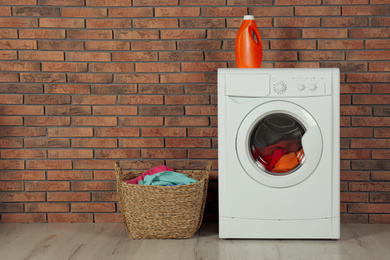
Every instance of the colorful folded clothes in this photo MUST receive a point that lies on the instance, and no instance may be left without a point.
(154, 170)
(167, 178)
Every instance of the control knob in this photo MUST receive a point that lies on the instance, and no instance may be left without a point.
(312, 87)
(280, 87)
(301, 87)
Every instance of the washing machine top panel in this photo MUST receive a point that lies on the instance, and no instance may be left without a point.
(280, 83)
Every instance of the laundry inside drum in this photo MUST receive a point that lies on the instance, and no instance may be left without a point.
(276, 144)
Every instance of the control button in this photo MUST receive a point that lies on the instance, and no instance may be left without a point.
(313, 87)
(301, 87)
(280, 87)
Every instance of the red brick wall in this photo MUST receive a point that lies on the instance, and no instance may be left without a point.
(84, 82)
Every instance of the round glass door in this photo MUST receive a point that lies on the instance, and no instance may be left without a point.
(276, 144)
(279, 144)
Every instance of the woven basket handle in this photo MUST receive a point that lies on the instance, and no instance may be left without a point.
(118, 170)
(208, 167)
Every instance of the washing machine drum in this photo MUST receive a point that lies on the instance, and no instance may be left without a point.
(279, 148)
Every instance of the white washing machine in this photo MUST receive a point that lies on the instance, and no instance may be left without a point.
(279, 156)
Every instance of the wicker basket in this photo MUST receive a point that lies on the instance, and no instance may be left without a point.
(151, 212)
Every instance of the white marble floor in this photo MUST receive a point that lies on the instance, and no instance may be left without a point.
(110, 241)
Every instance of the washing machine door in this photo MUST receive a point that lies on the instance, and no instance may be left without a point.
(279, 144)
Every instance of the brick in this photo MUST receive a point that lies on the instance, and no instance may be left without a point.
(61, 23)
(161, 89)
(369, 33)
(104, 175)
(202, 2)
(187, 142)
(37, 11)
(177, 11)
(93, 164)
(203, 153)
(115, 89)
(54, 45)
(202, 66)
(203, 132)
(161, 110)
(108, 2)
(11, 186)
(377, 121)
(22, 131)
(202, 23)
(183, 34)
(220, 56)
(70, 217)
(140, 164)
(62, 2)
(297, 22)
(108, 218)
(380, 154)
(21, 88)
(134, 56)
(368, 208)
(370, 143)
(368, 77)
(157, 67)
(47, 99)
(41, 34)
(47, 142)
(104, 196)
(11, 99)
(69, 175)
(93, 207)
(371, 99)
(136, 78)
(354, 197)
(88, 56)
(42, 77)
(24, 218)
(271, 11)
(94, 143)
(379, 219)
(201, 110)
(141, 121)
(186, 121)
(380, 21)
(64, 67)
(355, 88)
(70, 154)
(188, 100)
(11, 120)
(42, 55)
(94, 186)
(323, 55)
(90, 34)
(293, 44)
(355, 176)
(11, 143)
(348, 67)
(297, 65)
(380, 176)
(6, 11)
(371, 165)
(112, 67)
(297, 2)
(341, 44)
(345, 22)
(136, 34)
(381, 89)
(141, 100)
(181, 56)
(381, 132)
(70, 132)
(223, 11)
(68, 110)
(8, 55)
(119, 154)
(183, 78)
(117, 132)
(344, 2)
(325, 33)
(84, 12)
(9, 33)
(131, 12)
(52, 164)
(19, 22)
(153, 45)
(21, 110)
(107, 45)
(155, 2)
(381, 111)
(17, 44)
(355, 110)
(355, 132)
(317, 11)
(115, 110)
(47, 186)
(22, 196)
(164, 153)
(11, 207)
(368, 55)
(105, 23)
(163, 132)
(47, 121)
(355, 154)
(95, 121)
(68, 196)
(90, 78)
(379, 66)
(364, 10)
(47, 207)
(141, 143)
(156, 23)
(23, 154)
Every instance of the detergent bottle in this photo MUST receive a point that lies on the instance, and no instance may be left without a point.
(249, 52)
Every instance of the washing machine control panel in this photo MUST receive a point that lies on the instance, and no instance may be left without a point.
(300, 85)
